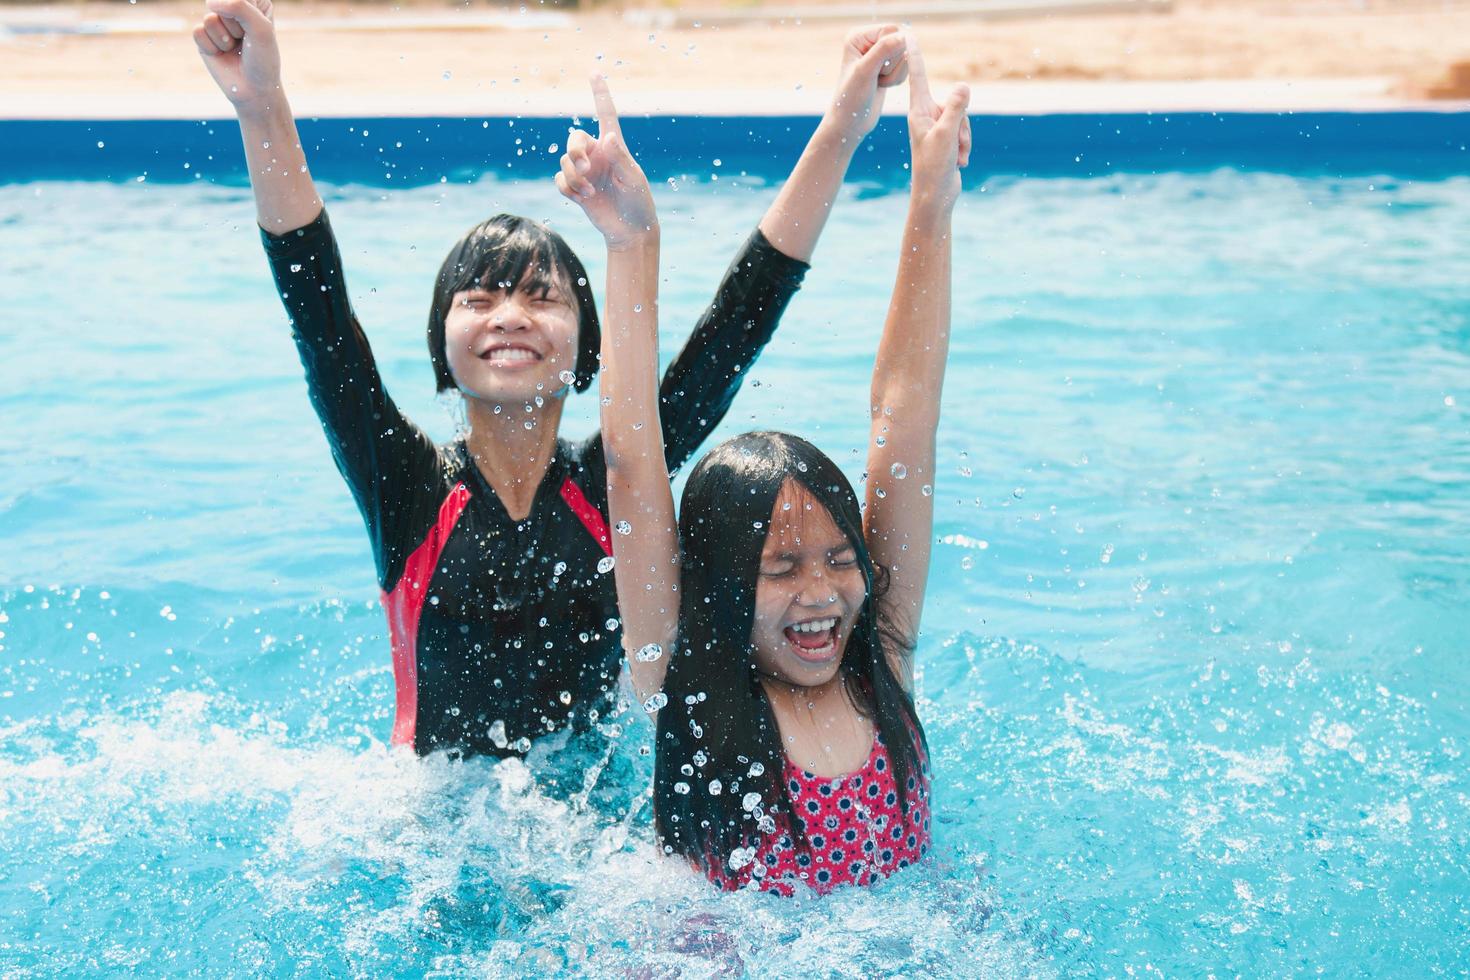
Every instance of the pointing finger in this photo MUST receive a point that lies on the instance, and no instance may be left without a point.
(607, 113)
(921, 100)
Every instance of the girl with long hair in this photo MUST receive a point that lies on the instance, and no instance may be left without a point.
(772, 627)
(492, 551)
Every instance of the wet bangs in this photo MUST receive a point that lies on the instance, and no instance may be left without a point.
(509, 252)
(516, 261)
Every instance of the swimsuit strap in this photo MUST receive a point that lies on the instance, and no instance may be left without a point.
(589, 515)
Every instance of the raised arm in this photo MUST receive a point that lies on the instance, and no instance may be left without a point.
(873, 59)
(704, 378)
(908, 375)
(237, 40)
(390, 465)
(603, 178)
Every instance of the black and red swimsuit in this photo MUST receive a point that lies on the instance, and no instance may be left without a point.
(501, 630)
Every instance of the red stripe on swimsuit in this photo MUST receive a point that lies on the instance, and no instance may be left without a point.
(406, 602)
(403, 606)
(588, 514)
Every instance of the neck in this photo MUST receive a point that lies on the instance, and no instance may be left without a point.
(513, 458)
(798, 701)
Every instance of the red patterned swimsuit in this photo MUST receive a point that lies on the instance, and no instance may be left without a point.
(856, 832)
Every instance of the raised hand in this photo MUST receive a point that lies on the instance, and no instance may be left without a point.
(237, 40)
(939, 137)
(873, 59)
(601, 175)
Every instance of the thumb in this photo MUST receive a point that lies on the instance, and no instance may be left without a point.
(884, 58)
(953, 112)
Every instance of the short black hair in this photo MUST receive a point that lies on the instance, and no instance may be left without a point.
(509, 249)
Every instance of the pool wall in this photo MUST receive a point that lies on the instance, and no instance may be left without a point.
(420, 150)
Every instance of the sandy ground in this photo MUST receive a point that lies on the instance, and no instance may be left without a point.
(431, 58)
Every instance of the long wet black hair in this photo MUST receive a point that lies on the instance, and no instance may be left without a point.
(717, 741)
(511, 249)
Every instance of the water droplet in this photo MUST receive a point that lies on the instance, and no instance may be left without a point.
(565, 697)
(637, 307)
(605, 565)
(623, 527)
(881, 440)
(756, 769)
(682, 788)
(899, 471)
(295, 266)
(750, 801)
(967, 563)
(880, 493)
(581, 280)
(100, 144)
(715, 787)
(568, 377)
(612, 625)
(448, 75)
(927, 490)
(560, 568)
(655, 701)
(649, 652)
(1018, 493)
(552, 148)
(497, 734)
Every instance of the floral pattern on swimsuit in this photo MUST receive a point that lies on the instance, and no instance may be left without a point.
(856, 831)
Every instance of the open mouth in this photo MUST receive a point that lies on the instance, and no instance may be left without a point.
(507, 356)
(814, 641)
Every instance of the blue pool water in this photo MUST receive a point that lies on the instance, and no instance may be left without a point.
(1196, 648)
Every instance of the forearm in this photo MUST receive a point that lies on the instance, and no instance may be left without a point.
(640, 503)
(630, 423)
(285, 196)
(795, 220)
(908, 373)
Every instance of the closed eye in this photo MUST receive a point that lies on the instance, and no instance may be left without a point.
(478, 301)
(777, 568)
(846, 558)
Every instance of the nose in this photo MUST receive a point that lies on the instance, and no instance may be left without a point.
(815, 590)
(511, 315)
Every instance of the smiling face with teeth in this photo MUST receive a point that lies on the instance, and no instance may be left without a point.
(513, 319)
(808, 594)
(511, 344)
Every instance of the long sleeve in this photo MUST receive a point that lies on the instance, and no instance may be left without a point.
(703, 379)
(391, 466)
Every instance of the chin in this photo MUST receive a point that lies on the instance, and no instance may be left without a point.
(502, 391)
